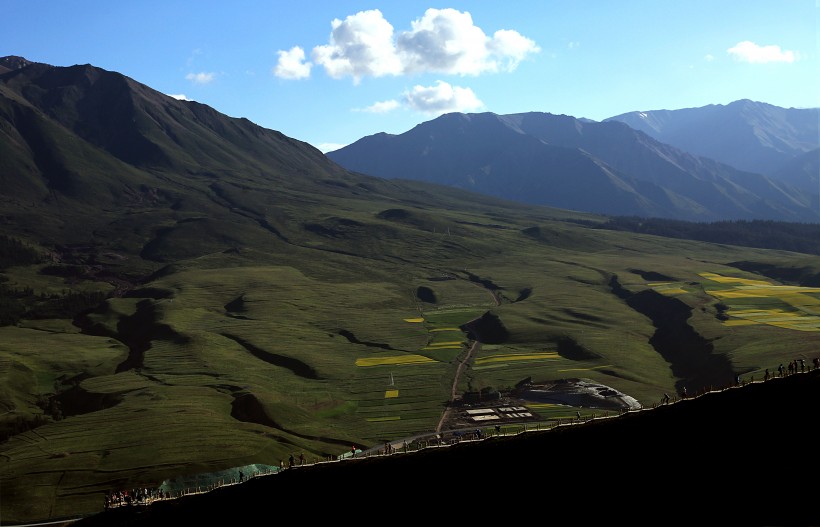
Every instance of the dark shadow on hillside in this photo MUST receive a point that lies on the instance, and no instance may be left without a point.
(689, 355)
(414, 218)
(77, 401)
(487, 283)
(135, 331)
(149, 292)
(49, 163)
(321, 230)
(294, 365)
(235, 306)
(583, 316)
(487, 329)
(394, 214)
(353, 340)
(425, 294)
(653, 276)
(569, 349)
(247, 408)
(523, 294)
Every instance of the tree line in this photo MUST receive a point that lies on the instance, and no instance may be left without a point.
(761, 234)
(14, 252)
(22, 303)
(18, 303)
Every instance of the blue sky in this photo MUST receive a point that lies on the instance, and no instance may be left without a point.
(331, 72)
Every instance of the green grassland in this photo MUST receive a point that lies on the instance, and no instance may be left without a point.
(231, 357)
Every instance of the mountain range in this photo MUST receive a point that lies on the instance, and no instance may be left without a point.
(748, 135)
(648, 164)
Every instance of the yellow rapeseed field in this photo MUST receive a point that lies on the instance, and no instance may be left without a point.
(804, 315)
(397, 360)
(516, 357)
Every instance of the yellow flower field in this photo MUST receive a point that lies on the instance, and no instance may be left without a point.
(671, 291)
(805, 317)
(394, 360)
(732, 280)
(516, 357)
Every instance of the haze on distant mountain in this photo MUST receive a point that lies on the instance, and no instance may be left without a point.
(748, 135)
(607, 167)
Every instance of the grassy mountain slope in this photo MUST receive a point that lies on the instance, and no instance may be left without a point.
(213, 294)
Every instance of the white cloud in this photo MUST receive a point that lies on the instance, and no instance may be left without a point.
(442, 98)
(360, 46)
(441, 41)
(709, 57)
(573, 45)
(201, 78)
(292, 65)
(447, 41)
(509, 48)
(380, 107)
(179, 96)
(329, 147)
(748, 51)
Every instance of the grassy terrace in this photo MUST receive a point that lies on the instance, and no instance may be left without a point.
(228, 359)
